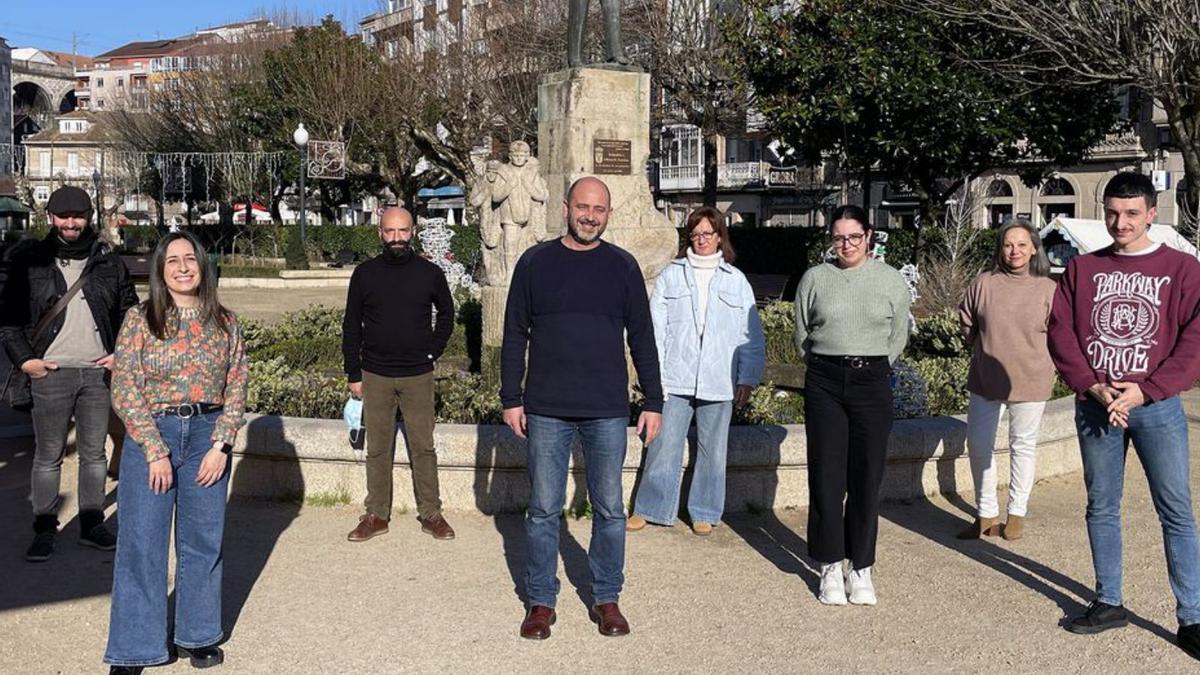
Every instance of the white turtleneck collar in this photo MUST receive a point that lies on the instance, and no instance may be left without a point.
(704, 261)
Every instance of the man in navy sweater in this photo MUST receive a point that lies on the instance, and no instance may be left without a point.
(572, 302)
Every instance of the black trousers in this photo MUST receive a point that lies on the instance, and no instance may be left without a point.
(847, 417)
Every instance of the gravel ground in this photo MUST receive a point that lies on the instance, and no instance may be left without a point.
(300, 599)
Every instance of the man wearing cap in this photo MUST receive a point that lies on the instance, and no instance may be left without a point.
(66, 350)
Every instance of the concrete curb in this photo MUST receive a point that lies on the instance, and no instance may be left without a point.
(482, 468)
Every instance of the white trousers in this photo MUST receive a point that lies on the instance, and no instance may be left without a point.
(983, 422)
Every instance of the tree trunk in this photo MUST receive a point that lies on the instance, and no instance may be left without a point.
(710, 169)
(1185, 126)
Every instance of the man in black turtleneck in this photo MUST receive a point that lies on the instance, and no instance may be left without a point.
(390, 342)
(69, 359)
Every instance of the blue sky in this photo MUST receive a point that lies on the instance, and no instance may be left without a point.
(102, 25)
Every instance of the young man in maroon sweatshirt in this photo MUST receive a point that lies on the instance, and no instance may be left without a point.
(1125, 335)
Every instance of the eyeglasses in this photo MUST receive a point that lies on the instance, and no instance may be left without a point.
(701, 236)
(852, 239)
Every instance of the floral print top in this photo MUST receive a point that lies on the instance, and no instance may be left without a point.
(199, 364)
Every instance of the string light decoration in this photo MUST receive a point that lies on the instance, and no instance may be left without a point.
(435, 238)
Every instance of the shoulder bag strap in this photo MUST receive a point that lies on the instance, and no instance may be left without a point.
(59, 307)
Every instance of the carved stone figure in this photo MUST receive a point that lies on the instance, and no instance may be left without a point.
(490, 230)
(511, 200)
(577, 13)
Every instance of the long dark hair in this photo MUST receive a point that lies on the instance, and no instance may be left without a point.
(717, 219)
(162, 316)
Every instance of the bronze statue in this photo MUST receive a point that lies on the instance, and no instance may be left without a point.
(576, 20)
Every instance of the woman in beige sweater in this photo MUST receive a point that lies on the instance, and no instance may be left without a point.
(1004, 316)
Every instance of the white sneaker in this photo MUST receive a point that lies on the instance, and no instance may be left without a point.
(833, 585)
(862, 591)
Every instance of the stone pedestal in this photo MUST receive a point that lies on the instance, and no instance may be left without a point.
(493, 300)
(577, 108)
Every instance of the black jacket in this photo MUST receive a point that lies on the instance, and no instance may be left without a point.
(30, 284)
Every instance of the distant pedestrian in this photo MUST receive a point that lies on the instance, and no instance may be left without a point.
(710, 345)
(574, 304)
(180, 386)
(1125, 334)
(62, 303)
(1005, 315)
(851, 325)
(390, 342)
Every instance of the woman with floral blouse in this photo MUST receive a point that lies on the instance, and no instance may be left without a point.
(179, 384)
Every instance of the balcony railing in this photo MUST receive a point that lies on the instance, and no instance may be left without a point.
(742, 174)
(1125, 145)
(680, 178)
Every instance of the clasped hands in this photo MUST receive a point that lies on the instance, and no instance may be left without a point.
(1119, 399)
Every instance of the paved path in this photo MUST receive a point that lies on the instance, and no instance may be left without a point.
(300, 599)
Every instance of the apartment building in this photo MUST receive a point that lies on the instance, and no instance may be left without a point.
(123, 78)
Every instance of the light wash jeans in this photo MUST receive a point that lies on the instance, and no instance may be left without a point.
(549, 447)
(137, 628)
(658, 494)
(1160, 436)
(983, 419)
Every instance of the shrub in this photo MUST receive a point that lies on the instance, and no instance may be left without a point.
(275, 388)
(779, 328)
(468, 399)
(908, 392)
(939, 335)
(322, 353)
(945, 383)
(769, 405)
(297, 258)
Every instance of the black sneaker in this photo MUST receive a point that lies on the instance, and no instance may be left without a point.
(125, 670)
(1188, 639)
(99, 537)
(1099, 617)
(42, 547)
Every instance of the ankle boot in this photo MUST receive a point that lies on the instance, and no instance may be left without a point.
(982, 527)
(1015, 528)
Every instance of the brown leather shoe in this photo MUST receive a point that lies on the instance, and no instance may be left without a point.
(608, 617)
(369, 526)
(536, 625)
(436, 526)
(982, 527)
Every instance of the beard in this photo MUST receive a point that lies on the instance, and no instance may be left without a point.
(578, 235)
(397, 250)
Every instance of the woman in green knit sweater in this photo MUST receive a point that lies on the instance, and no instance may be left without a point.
(851, 325)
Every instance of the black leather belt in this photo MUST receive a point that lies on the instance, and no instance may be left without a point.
(850, 361)
(186, 410)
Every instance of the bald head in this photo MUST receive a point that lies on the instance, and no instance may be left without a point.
(396, 231)
(395, 215)
(592, 183)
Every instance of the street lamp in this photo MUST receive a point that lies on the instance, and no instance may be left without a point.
(300, 136)
(99, 198)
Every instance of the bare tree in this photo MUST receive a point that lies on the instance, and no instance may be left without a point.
(688, 61)
(949, 266)
(477, 81)
(1153, 45)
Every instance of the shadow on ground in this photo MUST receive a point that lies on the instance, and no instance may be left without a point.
(500, 478)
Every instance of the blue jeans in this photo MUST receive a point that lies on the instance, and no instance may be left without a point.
(658, 494)
(1160, 436)
(137, 629)
(550, 441)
